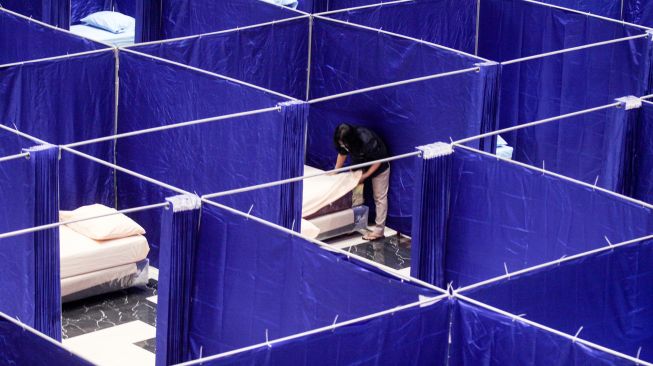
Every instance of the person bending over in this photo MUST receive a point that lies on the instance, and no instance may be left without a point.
(364, 146)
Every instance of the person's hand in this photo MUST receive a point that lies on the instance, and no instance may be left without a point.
(362, 179)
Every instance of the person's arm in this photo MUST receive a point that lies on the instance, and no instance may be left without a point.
(340, 161)
(373, 168)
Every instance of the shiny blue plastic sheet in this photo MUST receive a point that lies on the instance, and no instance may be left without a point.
(638, 12)
(82, 8)
(346, 58)
(194, 159)
(239, 294)
(593, 147)
(16, 32)
(607, 293)
(526, 218)
(445, 22)
(55, 102)
(29, 263)
(20, 346)
(180, 18)
(643, 155)
(483, 337)
(273, 56)
(414, 336)
(54, 12)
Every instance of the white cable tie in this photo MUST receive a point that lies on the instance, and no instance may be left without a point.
(267, 340)
(505, 267)
(608, 240)
(577, 333)
(596, 181)
(335, 320)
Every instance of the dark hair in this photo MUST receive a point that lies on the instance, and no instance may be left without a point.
(346, 135)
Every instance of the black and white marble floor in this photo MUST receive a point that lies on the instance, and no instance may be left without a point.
(113, 329)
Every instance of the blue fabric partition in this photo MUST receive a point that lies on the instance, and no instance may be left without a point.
(593, 147)
(55, 102)
(29, 263)
(506, 29)
(414, 336)
(23, 346)
(482, 337)
(607, 293)
(273, 56)
(179, 18)
(263, 147)
(638, 12)
(179, 235)
(404, 116)
(642, 179)
(606, 8)
(16, 32)
(82, 8)
(346, 58)
(525, 218)
(562, 83)
(446, 22)
(54, 12)
(239, 295)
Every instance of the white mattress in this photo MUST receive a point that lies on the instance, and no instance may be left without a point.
(80, 254)
(325, 189)
(334, 220)
(85, 281)
(117, 39)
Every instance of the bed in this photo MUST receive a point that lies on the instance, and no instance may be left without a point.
(333, 205)
(90, 267)
(117, 39)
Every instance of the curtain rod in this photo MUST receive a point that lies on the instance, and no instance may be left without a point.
(172, 126)
(396, 83)
(13, 157)
(60, 223)
(572, 49)
(54, 58)
(297, 179)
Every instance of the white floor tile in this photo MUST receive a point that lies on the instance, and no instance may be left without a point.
(114, 346)
(152, 299)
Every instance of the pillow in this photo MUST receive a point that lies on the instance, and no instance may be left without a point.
(104, 228)
(110, 21)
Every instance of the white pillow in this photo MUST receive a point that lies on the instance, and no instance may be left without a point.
(110, 21)
(105, 228)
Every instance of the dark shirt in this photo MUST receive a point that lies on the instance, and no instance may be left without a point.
(370, 147)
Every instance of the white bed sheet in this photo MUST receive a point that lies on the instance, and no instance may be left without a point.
(325, 189)
(117, 39)
(80, 254)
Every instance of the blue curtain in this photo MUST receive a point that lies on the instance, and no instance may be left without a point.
(430, 212)
(642, 179)
(638, 12)
(505, 214)
(273, 56)
(607, 293)
(30, 262)
(179, 234)
(53, 12)
(251, 280)
(558, 84)
(22, 346)
(179, 18)
(586, 147)
(415, 336)
(54, 101)
(16, 32)
(148, 20)
(295, 119)
(449, 23)
(192, 160)
(82, 8)
(483, 337)
(606, 8)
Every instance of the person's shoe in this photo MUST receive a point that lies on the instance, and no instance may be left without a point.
(372, 236)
